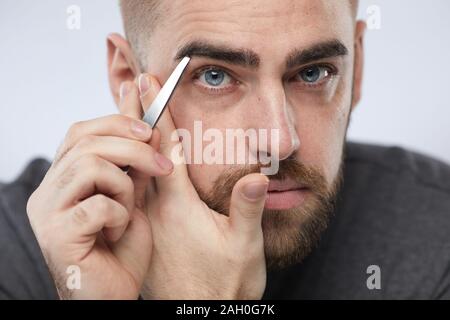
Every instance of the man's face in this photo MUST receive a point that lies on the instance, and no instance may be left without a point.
(264, 65)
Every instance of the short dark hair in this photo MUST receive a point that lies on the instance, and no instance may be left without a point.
(141, 17)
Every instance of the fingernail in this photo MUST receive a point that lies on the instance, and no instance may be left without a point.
(123, 90)
(163, 162)
(144, 85)
(154, 84)
(141, 129)
(255, 190)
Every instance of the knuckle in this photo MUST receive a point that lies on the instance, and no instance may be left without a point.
(119, 120)
(101, 203)
(80, 215)
(60, 153)
(91, 162)
(88, 164)
(93, 208)
(74, 130)
(86, 141)
(66, 177)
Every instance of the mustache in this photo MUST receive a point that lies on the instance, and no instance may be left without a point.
(308, 176)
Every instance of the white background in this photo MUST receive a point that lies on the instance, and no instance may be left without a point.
(51, 76)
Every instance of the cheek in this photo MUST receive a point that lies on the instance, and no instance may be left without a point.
(322, 131)
(191, 102)
(196, 118)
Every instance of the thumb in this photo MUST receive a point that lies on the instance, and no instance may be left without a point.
(247, 204)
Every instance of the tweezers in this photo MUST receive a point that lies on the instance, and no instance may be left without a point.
(159, 104)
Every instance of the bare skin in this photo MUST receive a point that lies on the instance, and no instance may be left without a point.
(149, 231)
(97, 217)
(87, 211)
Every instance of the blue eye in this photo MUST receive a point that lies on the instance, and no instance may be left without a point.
(214, 77)
(314, 74)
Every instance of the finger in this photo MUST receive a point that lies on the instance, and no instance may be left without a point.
(95, 214)
(130, 105)
(137, 176)
(134, 257)
(178, 181)
(112, 125)
(121, 152)
(91, 174)
(247, 204)
(156, 139)
(151, 186)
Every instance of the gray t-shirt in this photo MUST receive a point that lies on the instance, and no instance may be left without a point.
(391, 223)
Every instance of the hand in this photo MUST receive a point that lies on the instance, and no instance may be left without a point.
(88, 213)
(197, 252)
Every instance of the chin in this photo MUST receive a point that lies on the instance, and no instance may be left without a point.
(291, 234)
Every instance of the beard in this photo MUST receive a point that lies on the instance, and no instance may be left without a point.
(289, 235)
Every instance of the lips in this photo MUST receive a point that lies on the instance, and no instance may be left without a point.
(284, 185)
(285, 194)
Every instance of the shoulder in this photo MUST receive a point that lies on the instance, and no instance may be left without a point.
(14, 195)
(395, 213)
(398, 183)
(400, 180)
(24, 273)
(415, 167)
(32, 174)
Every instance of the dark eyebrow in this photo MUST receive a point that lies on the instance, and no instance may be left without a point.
(243, 57)
(248, 58)
(328, 49)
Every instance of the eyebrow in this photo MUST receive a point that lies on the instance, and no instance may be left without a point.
(242, 57)
(248, 58)
(324, 50)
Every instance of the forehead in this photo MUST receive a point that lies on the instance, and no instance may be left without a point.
(267, 26)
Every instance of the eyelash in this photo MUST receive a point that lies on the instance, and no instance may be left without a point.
(214, 90)
(332, 70)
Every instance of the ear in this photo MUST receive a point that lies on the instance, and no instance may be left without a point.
(122, 65)
(359, 62)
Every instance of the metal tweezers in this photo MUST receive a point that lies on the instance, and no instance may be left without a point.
(159, 104)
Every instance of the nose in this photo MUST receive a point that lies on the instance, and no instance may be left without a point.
(275, 116)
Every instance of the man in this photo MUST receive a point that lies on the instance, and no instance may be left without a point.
(337, 219)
